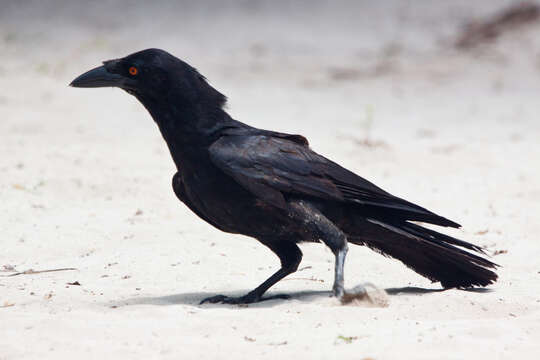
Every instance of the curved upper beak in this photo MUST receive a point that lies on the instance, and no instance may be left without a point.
(100, 77)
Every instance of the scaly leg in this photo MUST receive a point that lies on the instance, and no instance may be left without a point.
(317, 226)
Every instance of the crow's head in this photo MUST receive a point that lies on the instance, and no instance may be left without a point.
(153, 75)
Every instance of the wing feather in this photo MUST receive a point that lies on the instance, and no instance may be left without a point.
(273, 166)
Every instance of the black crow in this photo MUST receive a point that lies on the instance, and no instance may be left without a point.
(273, 187)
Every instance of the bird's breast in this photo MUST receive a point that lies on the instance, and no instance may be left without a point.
(228, 206)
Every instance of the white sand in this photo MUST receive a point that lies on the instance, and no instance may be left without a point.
(456, 133)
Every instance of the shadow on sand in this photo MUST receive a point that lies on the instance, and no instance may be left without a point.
(195, 298)
(411, 290)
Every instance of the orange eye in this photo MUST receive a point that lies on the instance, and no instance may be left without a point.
(133, 70)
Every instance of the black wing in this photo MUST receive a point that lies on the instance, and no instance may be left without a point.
(273, 166)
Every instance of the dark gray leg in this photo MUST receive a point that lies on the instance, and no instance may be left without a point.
(318, 227)
(290, 256)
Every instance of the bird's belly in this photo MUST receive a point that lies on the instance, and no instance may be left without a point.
(233, 209)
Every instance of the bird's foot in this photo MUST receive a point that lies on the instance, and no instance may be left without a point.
(246, 299)
(222, 299)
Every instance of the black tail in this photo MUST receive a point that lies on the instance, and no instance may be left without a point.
(428, 252)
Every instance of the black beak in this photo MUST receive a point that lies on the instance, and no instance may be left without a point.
(100, 77)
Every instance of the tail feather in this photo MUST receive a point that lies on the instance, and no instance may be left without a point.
(424, 232)
(429, 253)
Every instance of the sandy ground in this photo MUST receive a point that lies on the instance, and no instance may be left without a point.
(85, 180)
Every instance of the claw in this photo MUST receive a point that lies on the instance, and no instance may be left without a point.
(214, 299)
(246, 299)
(222, 299)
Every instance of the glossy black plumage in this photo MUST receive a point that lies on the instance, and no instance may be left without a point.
(273, 187)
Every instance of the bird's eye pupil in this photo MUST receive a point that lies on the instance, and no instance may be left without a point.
(133, 70)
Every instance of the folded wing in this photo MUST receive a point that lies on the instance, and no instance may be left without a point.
(272, 166)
